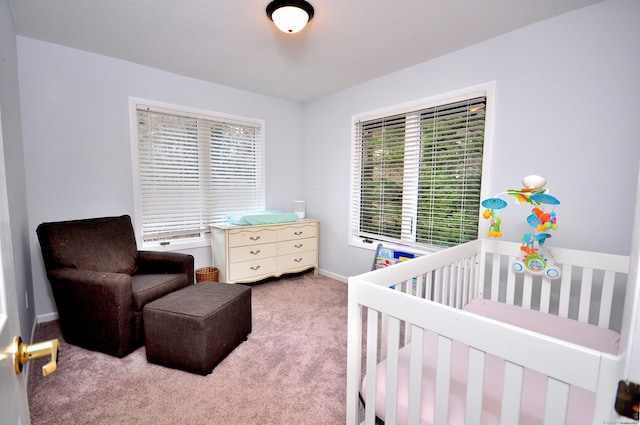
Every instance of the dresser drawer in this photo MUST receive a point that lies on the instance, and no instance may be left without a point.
(297, 245)
(252, 252)
(252, 237)
(297, 260)
(297, 232)
(250, 269)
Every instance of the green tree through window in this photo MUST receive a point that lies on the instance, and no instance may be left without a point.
(418, 174)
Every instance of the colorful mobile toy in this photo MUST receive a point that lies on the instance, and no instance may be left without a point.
(534, 258)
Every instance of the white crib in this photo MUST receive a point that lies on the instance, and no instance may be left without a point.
(430, 356)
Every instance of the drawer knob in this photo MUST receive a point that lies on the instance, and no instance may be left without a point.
(297, 260)
(254, 252)
(254, 238)
(298, 245)
(254, 268)
(298, 233)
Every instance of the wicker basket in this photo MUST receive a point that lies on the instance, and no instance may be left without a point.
(207, 274)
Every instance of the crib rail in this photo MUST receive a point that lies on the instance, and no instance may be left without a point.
(448, 277)
(430, 290)
(589, 285)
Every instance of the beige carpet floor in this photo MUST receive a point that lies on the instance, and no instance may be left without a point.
(291, 370)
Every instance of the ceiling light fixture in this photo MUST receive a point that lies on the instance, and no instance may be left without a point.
(290, 16)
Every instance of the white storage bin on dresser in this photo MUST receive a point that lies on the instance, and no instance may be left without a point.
(251, 253)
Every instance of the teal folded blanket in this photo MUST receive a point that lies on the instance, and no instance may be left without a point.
(243, 218)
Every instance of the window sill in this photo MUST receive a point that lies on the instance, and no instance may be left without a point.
(178, 245)
(373, 245)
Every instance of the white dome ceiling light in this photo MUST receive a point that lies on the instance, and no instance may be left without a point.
(290, 16)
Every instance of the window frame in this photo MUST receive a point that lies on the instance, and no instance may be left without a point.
(485, 89)
(204, 239)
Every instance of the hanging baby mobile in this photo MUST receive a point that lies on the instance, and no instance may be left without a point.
(534, 258)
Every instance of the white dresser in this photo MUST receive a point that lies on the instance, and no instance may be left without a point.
(251, 253)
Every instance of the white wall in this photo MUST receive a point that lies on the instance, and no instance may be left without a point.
(13, 166)
(566, 107)
(76, 137)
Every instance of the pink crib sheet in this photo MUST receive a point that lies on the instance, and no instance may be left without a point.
(585, 334)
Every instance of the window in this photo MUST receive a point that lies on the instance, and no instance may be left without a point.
(191, 168)
(417, 172)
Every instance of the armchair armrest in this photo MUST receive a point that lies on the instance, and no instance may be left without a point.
(92, 286)
(166, 262)
(89, 300)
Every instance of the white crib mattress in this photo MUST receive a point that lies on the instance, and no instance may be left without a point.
(581, 402)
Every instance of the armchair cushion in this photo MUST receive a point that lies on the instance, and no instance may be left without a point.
(149, 287)
(105, 244)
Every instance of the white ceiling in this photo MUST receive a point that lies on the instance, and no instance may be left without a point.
(232, 42)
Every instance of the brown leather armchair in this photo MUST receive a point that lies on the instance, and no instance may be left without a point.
(101, 282)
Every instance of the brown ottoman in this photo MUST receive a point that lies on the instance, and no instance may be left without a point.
(194, 328)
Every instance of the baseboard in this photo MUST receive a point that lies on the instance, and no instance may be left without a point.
(43, 318)
(334, 276)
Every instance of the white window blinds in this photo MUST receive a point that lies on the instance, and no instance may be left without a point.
(193, 170)
(417, 174)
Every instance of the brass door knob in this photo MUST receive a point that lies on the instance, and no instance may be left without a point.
(24, 352)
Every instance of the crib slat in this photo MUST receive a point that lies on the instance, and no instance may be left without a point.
(437, 285)
(585, 294)
(545, 295)
(428, 287)
(565, 291)
(481, 280)
(557, 402)
(495, 277)
(372, 361)
(454, 275)
(527, 290)
(511, 283)
(511, 394)
(444, 288)
(448, 287)
(354, 356)
(474, 277)
(467, 281)
(463, 273)
(392, 370)
(458, 273)
(443, 380)
(415, 376)
(606, 300)
(411, 289)
(384, 338)
(475, 385)
(420, 286)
